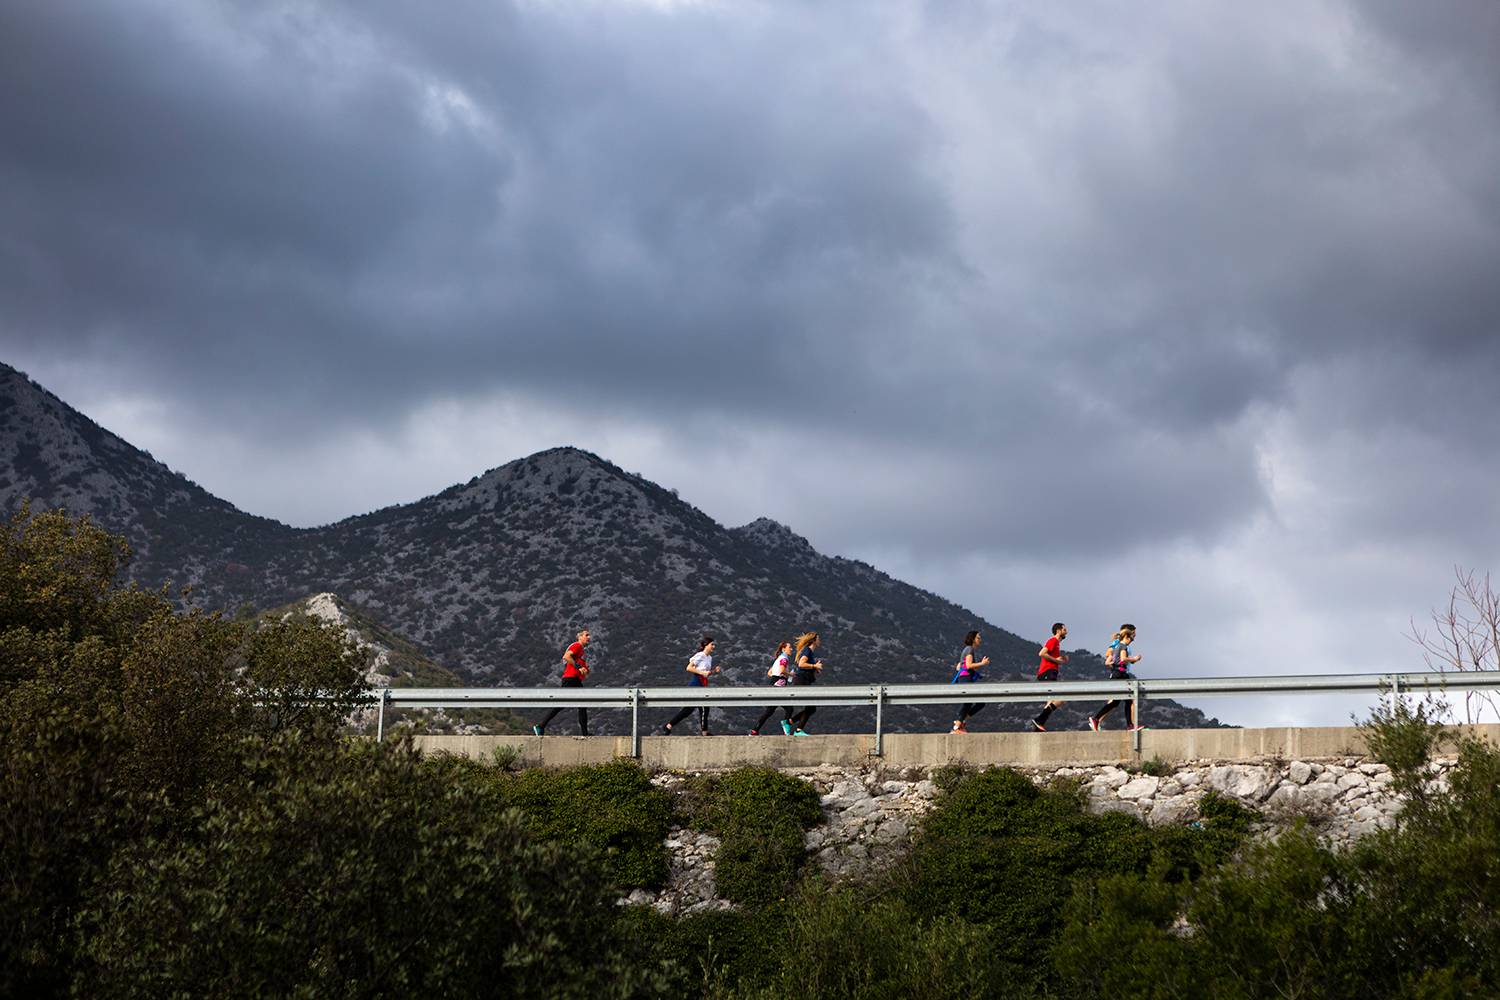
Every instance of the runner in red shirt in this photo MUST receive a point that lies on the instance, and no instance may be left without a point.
(1052, 657)
(575, 669)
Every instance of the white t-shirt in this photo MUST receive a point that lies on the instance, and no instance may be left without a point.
(702, 663)
(780, 664)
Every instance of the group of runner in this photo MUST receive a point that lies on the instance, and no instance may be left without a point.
(796, 663)
(1118, 658)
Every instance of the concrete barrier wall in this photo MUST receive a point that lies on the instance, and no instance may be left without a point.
(708, 753)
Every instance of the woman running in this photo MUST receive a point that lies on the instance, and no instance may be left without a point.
(779, 674)
(968, 673)
(807, 672)
(701, 667)
(1119, 659)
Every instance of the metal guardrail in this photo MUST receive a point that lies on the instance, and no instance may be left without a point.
(1137, 691)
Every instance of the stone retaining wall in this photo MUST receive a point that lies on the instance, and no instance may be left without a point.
(870, 814)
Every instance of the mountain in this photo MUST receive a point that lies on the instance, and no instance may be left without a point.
(494, 576)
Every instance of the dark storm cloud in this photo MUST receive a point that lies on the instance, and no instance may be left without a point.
(971, 255)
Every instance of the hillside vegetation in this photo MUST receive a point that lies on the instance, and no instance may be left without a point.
(180, 820)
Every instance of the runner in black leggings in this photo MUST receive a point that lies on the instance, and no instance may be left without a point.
(808, 667)
(1119, 659)
(701, 667)
(575, 669)
(968, 673)
(779, 675)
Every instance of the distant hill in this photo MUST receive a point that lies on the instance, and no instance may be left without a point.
(494, 576)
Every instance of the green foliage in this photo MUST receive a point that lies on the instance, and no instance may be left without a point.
(356, 872)
(1001, 852)
(612, 808)
(1404, 736)
(1407, 912)
(1156, 767)
(306, 674)
(1131, 912)
(759, 815)
(949, 776)
(709, 952)
(840, 941)
(505, 756)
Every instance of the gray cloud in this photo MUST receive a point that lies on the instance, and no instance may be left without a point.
(1019, 282)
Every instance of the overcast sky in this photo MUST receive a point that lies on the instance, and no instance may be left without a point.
(1185, 314)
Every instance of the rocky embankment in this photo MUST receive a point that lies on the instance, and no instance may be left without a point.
(870, 815)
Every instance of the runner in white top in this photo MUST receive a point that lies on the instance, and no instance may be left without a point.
(701, 666)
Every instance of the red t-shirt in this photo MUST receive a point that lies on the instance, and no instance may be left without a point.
(1053, 646)
(569, 669)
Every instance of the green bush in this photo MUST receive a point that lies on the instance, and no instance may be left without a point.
(357, 872)
(839, 942)
(612, 808)
(708, 953)
(1001, 852)
(759, 815)
(1406, 912)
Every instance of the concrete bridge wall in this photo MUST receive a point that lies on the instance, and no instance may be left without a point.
(926, 750)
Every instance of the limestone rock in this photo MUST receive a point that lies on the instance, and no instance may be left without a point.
(1300, 772)
(1243, 781)
(1175, 809)
(1143, 787)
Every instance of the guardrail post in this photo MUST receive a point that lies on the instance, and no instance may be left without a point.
(385, 694)
(879, 721)
(1135, 713)
(635, 723)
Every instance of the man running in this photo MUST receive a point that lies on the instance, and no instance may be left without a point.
(575, 669)
(1052, 657)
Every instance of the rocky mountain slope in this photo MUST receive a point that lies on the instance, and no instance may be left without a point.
(494, 576)
(398, 662)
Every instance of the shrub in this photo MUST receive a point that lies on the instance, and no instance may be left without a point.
(840, 941)
(1404, 736)
(1156, 767)
(1001, 852)
(344, 872)
(759, 815)
(612, 808)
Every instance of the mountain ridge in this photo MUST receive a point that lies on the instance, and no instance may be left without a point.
(493, 576)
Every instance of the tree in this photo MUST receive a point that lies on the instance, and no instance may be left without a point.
(1465, 636)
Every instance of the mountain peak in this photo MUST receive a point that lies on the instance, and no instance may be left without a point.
(770, 534)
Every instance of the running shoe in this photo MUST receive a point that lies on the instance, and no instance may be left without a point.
(1136, 729)
(666, 729)
(1093, 724)
(754, 732)
(959, 727)
(786, 727)
(801, 732)
(536, 730)
(705, 733)
(1037, 727)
